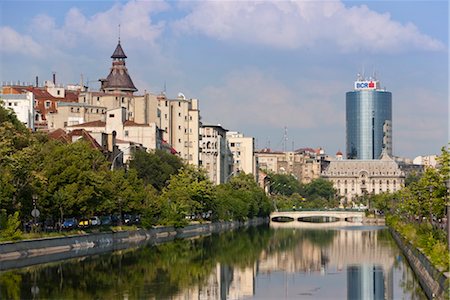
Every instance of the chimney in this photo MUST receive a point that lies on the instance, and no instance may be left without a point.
(37, 81)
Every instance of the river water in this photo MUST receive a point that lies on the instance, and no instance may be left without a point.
(253, 263)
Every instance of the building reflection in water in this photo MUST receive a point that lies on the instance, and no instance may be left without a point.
(224, 283)
(368, 267)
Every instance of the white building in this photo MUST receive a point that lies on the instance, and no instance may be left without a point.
(22, 105)
(128, 132)
(243, 149)
(180, 123)
(428, 161)
(352, 178)
(215, 156)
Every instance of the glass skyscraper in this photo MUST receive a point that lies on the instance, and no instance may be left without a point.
(368, 121)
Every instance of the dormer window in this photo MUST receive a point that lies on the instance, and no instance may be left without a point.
(47, 104)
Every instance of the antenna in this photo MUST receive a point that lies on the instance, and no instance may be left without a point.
(285, 138)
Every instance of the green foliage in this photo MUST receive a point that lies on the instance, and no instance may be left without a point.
(282, 184)
(12, 229)
(189, 194)
(155, 168)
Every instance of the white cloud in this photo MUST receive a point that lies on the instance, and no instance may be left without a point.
(134, 18)
(14, 42)
(251, 98)
(301, 24)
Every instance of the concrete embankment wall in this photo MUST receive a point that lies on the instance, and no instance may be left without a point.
(31, 252)
(434, 282)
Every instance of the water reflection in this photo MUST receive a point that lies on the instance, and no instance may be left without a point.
(257, 263)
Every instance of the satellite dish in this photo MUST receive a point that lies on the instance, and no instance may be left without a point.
(181, 96)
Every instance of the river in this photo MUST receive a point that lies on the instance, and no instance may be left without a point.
(253, 263)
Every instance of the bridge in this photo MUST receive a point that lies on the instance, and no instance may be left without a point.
(316, 218)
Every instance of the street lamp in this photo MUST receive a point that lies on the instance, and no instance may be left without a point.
(35, 212)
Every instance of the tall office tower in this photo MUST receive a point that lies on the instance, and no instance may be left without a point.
(368, 120)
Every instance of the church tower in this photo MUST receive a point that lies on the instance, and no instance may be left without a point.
(118, 79)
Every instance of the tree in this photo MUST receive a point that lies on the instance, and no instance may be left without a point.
(155, 168)
(282, 184)
(188, 194)
(320, 193)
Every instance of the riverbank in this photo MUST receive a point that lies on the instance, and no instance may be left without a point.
(434, 282)
(37, 251)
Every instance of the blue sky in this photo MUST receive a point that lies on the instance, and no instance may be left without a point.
(256, 67)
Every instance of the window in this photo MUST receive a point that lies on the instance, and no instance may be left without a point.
(179, 140)
(111, 115)
(165, 116)
(166, 103)
(126, 132)
(179, 127)
(179, 114)
(98, 98)
(123, 100)
(58, 92)
(232, 144)
(47, 104)
(179, 104)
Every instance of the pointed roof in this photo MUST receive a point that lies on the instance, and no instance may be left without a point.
(118, 53)
(118, 78)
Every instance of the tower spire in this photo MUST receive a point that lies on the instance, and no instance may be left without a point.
(119, 33)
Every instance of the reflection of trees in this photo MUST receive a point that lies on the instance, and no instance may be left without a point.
(10, 285)
(151, 271)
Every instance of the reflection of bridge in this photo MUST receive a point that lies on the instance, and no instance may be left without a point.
(317, 218)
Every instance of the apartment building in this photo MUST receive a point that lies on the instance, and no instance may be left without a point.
(243, 149)
(215, 155)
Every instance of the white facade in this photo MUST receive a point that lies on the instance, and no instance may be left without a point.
(215, 155)
(429, 161)
(243, 150)
(180, 122)
(125, 130)
(352, 178)
(22, 105)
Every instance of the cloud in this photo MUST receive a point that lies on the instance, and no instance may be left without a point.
(420, 120)
(303, 24)
(14, 42)
(251, 98)
(134, 18)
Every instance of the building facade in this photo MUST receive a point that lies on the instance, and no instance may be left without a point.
(22, 105)
(242, 149)
(215, 156)
(180, 124)
(354, 178)
(305, 166)
(368, 120)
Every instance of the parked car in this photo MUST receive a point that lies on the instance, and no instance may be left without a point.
(69, 223)
(127, 219)
(84, 223)
(106, 220)
(95, 221)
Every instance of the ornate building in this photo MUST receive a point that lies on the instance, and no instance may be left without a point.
(352, 178)
(118, 79)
